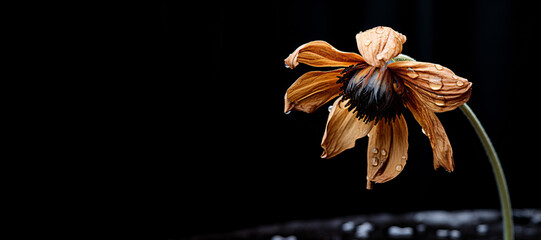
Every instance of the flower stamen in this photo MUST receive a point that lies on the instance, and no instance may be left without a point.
(373, 93)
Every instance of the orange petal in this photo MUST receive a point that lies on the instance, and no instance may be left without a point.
(312, 90)
(321, 54)
(436, 86)
(387, 151)
(441, 147)
(380, 44)
(379, 143)
(342, 129)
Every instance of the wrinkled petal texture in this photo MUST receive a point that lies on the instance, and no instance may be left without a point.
(378, 45)
(312, 90)
(436, 86)
(321, 54)
(433, 129)
(342, 129)
(387, 151)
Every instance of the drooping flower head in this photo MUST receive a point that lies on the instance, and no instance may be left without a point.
(373, 90)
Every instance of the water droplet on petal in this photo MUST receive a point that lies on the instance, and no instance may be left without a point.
(374, 162)
(380, 29)
(435, 82)
(375, 150)
(367, 42)
(404, 157)
(288, 112)
(398, 168)
(455, 77)
(440, 101)
(329, 108)
(411, 73)
(459, 83)
(380, 56)
(439, 67)
(287, 66)
(423, 130)
(383, 152)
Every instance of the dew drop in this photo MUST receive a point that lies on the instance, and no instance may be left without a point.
(398, 168)
(435, 82)
(423, 130)
(439, 67)
(287, 66)
(374, 162)
(404, 157)
(383, 152)
(459, 83)
(380, 29)
(288, 112)
(375, 150)
(367, 42)
(411, 73)
(440, 101)
(329, 108)
(455, 77)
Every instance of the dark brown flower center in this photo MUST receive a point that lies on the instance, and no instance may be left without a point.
(373, 93)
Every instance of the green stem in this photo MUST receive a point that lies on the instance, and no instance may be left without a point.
(498, 172)
(505, 200)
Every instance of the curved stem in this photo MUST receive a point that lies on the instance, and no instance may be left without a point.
(507, 214)
(498, 172)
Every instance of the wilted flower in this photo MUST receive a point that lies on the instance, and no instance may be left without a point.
(373, 91)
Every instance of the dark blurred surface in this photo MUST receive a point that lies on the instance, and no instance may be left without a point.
(465, 224)
(210, 149)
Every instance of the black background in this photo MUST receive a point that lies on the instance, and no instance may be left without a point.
(213, 151)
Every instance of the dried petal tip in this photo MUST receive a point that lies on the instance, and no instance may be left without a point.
(380, 44)
(321, 54)
(291, 61)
